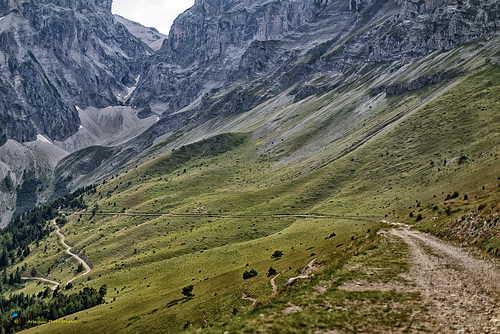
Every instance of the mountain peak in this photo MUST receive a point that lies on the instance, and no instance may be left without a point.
(7, 6)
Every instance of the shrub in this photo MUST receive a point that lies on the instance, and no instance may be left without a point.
(188, 291)
(452, 196)
(277, 255)
(249, 274)
(271, 272)
(419, 217)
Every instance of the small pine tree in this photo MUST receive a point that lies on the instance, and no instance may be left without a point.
(188, 291)
(277, 255)
(4, 261)
(271, 272)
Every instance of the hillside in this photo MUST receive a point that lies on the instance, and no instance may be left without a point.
(205, 213)
(328, 167)
(79, 78)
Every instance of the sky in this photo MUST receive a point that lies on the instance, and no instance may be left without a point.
(159, 14)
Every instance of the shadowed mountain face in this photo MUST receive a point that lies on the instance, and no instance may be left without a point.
(64, 63)
(55, 55)
(231, 44)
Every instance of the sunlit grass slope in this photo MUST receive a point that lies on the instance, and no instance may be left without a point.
(204, 214)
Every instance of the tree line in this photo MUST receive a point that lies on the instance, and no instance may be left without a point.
(33, 226)
(47, 305)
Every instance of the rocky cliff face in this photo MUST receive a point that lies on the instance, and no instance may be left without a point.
(206, 43)
(57, 58)
(225, 56)
(55, 55)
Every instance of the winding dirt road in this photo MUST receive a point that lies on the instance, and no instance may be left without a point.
(56, 284)
(246, 296)
(68, 250)
(463, 293)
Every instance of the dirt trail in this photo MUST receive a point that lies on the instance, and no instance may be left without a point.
(246, 296)
(68, 250)
(213, 215)
(463, 293)
(56, 284)
(273, 284)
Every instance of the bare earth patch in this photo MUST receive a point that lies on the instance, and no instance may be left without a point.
(292, 309)
(364, 285)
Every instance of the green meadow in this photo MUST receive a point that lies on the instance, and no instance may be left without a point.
(205, 213)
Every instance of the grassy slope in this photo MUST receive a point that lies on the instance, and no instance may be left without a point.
(415, 177)
(145, 261)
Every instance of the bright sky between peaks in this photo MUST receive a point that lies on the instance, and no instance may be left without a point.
(159, 14)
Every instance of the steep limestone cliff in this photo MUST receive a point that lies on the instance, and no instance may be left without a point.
(206, 43)
(55, 55)
(227, 56)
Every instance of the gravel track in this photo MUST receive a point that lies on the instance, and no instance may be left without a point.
(68, 250)
(462, 292)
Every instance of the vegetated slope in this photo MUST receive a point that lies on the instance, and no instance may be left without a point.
(229, 195)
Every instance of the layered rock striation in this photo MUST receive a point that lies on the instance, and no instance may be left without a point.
(225, 56)
(56, 55)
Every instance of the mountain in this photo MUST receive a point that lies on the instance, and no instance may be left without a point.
(58, 55)
(58, 58)
(62, 60)
(247, 176)
(268, 47)
(150, 36)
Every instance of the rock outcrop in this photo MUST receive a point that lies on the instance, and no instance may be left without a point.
(226, 56)
(55, 55)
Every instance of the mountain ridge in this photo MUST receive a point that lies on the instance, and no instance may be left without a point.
(280, 58)
(251, 186)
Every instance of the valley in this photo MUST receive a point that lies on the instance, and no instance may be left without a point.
(205, 213)
(332, 168)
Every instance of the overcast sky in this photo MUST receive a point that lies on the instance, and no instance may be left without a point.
(159, 14)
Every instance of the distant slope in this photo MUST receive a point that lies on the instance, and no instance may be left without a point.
(441, 145)
(150, 36)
